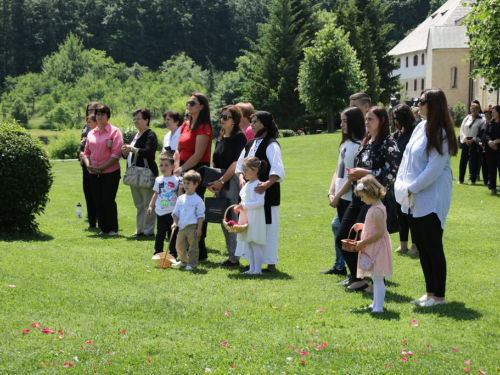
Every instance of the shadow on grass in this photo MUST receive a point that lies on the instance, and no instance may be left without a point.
(23, 237)
(386, 315)
(390, 296)
(454, 310)
(276, 275)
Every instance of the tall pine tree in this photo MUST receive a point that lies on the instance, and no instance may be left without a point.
(270, 68)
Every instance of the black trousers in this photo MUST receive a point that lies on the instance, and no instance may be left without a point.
(404, 225)
(104, 188)
(483, 162)
(428, 235)
(468, 153)
(355, 213)
(89, 199)
(493, 166)
(164, 228)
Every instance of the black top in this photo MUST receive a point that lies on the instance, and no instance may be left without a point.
(228, 150)
(492, 133)
(402, 140)
(85, 132)
(381, 160)
(147, 145)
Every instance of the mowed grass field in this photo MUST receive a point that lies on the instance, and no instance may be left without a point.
(113, 312)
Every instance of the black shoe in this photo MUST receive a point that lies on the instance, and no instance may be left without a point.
(330, 271)
(342, 271)
(228, 263)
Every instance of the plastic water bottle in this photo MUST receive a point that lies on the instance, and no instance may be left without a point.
(79, 211)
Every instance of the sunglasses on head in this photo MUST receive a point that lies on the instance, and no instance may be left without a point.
(224, 117)
(422, 101)
(191, 103)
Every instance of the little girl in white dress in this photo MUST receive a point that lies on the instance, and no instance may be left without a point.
(251, 210)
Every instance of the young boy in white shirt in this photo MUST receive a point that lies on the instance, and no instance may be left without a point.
(188, 215)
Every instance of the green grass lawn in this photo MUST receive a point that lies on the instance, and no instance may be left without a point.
(119, 314)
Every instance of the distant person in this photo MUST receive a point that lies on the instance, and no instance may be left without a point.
(247, 111)
(424, 186)
(362, 101)
(483, 161)
(492, 143)
(468, 141)
(416, 115)
(173, 121)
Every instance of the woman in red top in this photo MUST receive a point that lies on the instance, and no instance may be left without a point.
(193, 149)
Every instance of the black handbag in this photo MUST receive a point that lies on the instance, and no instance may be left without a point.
(389, 202)
(215, 209)
(209, 174)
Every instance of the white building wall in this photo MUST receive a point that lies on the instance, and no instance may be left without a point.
(411, 71)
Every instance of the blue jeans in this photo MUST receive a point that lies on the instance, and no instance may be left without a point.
(339, 259)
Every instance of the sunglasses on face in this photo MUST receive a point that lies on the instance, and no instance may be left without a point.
(192, 103)
(224, 117)
(422, 101)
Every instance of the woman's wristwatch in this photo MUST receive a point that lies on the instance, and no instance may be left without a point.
(221, 182)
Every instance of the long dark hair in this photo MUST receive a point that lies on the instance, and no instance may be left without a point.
(383, 130)
(236, 116)
(439, 119)
(356, 128)
(204, 115)
(91, 105)
(405, 118)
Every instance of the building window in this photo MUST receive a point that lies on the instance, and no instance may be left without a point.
(422, 85)
(454, 78)
(415, 60)
(423, 59)
(407, 61)
(406, 86)
(415, 85)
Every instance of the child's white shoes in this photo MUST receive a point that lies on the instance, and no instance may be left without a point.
(189, 268)
(178, 264)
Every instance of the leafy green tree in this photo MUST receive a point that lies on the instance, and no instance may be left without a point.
(367, 22)
(329, 72)
(483, 24)
(270, 68)
(19, 112)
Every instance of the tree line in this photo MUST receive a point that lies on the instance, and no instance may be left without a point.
(153, 53)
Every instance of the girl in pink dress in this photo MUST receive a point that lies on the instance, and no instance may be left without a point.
(375, 240)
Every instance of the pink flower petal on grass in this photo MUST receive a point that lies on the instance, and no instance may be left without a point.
(302, 361)
(467, 362)
(111, 353)
(223, 343)
(66, 364)
(414, 322)
(482, 372)
(410, 353)
(89, 342)
(403, 352)
(320, 309)
(43, 364)
(455, 349)
(227, 313)
(466, 369)
(11, 286)
(36, 325)
(292, 347)
(325, 345)
(404, 359)
(72, 364)
(149, 360)
(304, 353)
(48, 331)
(26, 330)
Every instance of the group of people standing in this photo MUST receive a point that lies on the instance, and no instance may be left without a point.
(245, 133)
(410, 174)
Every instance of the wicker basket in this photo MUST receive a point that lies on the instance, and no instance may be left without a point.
(350, 245)
(164, 260)
(237, 228)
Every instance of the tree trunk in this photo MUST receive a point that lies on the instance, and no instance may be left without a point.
(330, 121)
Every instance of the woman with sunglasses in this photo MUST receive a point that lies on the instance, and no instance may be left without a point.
(404, 122)
(424, 186)
(227, 151)
(193, 149)
(144, 144)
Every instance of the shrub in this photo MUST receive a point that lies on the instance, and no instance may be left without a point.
(157, 124)
(127, 133)
(61, 115)
(19, 111)
(65, 147)
(460, 113)
(26, 175)
(285, 133)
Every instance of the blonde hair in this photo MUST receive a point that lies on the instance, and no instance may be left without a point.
(370, 186)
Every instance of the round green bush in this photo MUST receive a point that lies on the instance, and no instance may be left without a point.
(285, 133)
(26, 175)
(65, 147)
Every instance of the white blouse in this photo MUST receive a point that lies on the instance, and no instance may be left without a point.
(172, 139)
(429, 178)
(273, 153)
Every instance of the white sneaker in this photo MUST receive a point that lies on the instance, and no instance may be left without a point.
(178, 264)
(112, 233)
(432, 302)
(247, 273)
(424, 298)
(189, 268)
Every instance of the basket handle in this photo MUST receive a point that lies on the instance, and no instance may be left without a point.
(357, 227)
(168, 243)
(227, 210)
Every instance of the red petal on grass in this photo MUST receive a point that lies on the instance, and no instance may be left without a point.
(466, 369)
(429, 345)
(387, 367)
(309, 343)
(72, 364)
(36, 325)
(467, 362)
(455, 349)
(43, 364)
(226, 313)
(292, 347)
(149, 360)
(404, 359)
(325, 345)
(302, 361)
(89, 342)
(48, 331)
(482, 372)
(253, 346)
(304, 353)
(223, 343)
(422, 352)
(26, 330)
(107, 360)
(232, 366)
(54, 364)
(123, 332)
(316, 336)
(66, 364)
(404, 342)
